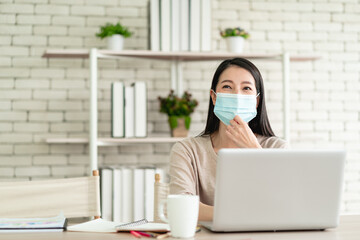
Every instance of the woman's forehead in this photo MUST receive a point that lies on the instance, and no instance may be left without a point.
(237, 75)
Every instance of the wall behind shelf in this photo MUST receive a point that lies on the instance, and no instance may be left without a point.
(42, 98)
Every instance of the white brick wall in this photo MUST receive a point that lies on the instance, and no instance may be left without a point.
(41, 98)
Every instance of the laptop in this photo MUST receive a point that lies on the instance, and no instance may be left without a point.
(277, 189)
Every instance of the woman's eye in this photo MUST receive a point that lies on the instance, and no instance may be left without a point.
(247, 88)
(226, 86)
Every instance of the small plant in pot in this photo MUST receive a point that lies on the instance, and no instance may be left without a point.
(178, 110)
(115, 35)
(235, 38)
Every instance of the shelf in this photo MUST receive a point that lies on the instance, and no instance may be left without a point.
(113, 141)
(178, 56)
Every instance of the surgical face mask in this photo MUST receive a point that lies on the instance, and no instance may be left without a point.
(228, 105)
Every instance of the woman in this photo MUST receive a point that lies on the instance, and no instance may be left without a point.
(237, 118)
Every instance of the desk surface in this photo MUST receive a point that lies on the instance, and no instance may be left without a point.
(349, 229)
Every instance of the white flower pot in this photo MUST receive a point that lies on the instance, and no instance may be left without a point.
(115, 42)
(235, 44)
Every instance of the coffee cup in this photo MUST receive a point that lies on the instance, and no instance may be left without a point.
(182, 214)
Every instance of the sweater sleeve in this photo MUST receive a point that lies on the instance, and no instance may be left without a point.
(182, 172)
(274, 142)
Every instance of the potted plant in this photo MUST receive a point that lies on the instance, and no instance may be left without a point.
(178, 110)
(235, 38)
(115, 35)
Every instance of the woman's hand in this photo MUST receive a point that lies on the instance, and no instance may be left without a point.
(206, 212)
(240, 133)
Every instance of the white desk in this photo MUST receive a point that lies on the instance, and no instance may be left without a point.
(349, 229)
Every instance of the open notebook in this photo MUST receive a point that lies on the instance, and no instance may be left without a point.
(101, 225)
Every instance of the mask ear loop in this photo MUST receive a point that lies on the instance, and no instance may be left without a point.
(212, 98)
(257, 94)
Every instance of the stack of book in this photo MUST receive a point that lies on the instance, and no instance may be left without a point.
(127, 193)
(180, 25)
(129, 110)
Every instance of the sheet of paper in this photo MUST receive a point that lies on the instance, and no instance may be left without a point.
(97, 225)
(156, 227)
(101, 225)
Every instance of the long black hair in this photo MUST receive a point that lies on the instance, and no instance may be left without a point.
(260, 124)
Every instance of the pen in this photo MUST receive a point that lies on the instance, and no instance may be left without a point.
(152, 234)
(135, 234)
(145, 234)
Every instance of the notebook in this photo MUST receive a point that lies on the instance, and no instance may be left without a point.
(51, 224)
(143, 225)
(101, 225)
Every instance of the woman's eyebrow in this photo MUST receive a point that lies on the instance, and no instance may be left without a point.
(226, 80)
(247, 82)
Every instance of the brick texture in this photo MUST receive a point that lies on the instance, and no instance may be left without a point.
(41, 98)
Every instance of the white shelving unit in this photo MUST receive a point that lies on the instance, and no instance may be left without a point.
(176, 59)
(113, 141)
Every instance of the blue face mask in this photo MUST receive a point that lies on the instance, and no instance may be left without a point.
(228, 105)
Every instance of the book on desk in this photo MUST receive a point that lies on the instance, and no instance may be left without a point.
(50, 224)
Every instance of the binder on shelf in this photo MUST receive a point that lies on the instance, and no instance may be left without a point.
(184, 25)
(129, 112)
(117, 195)
(127, 195)
(155, 25)
(106, 176)
(117, 109)
(139, 194)
(149, 193)
(205, 25)
(165, 23)
(140, 113)
(195, 25)
(175, 25)
(180, 25)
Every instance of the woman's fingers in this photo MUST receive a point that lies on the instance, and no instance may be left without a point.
(235, 133)
(233, 123)
(237, 129)
(239, 120)
(232, 137)
(231, 129)
(240, 133)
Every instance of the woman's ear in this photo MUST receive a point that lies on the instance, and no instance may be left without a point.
(213, 96)
(257, 101)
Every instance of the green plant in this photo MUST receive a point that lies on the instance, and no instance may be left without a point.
(110, 29)
(176, 107)
(233, 32)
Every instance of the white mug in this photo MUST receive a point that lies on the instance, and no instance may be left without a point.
(182, 212)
